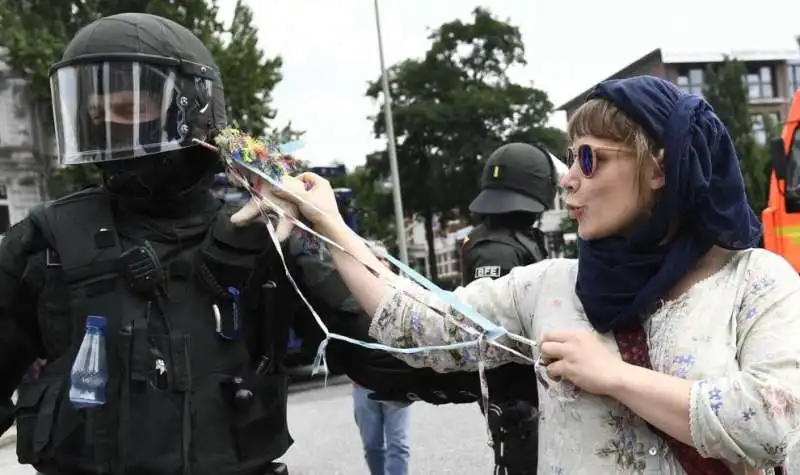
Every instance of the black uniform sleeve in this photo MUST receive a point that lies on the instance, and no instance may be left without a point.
(393, 380)
(19, 331)
(490, 259)
(319, 276)
(390, 378)
(494, 259)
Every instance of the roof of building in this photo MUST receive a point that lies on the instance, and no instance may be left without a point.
(677, 57)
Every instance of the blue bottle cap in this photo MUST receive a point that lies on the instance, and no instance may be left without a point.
(94, 321)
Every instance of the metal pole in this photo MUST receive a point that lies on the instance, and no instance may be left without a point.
(387, 111)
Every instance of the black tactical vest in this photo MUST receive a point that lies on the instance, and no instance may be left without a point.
(532, 246)
(185, 394)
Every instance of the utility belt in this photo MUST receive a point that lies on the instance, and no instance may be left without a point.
(514, 426)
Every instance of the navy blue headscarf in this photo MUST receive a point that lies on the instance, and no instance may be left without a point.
(621, 278)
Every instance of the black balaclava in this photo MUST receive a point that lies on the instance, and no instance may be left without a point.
(162, 182)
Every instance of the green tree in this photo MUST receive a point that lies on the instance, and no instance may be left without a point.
(452, 108)
(248, 75)
(726, 91)
(35, 33)
(569, 226)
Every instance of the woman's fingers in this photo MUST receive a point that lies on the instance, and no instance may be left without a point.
(291, 191)
(556, 370)
(310, 178)
(552, 350)
(249, 212)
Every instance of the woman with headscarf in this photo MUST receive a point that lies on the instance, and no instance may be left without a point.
(670, 344)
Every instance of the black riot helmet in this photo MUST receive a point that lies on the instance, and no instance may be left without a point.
(517, 177)
(132, 93)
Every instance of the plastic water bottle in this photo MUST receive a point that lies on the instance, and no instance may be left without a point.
(89, 373)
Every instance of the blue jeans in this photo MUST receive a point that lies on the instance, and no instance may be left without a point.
(385, 431)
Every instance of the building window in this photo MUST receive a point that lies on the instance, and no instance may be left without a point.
(691, 81)
(759, 83)
(794, 78)
(764, 129)
(5, 221)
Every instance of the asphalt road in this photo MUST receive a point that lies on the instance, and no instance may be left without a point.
(446, 440)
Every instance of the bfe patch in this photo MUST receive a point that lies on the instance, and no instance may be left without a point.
(487, 271)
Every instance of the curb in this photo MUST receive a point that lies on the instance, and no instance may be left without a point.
(10, 436)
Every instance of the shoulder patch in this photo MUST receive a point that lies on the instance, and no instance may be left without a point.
(53, 259)
(487, 271)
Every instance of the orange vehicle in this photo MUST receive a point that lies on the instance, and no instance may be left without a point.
(781, 218)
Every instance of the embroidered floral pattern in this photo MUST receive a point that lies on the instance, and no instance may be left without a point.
(742, 409)
(776, 452)
(762, 285)
(625, 447)
(682, 364)
(778, 401)
(715, 396)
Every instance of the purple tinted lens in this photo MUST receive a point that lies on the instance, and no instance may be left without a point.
(585, 160)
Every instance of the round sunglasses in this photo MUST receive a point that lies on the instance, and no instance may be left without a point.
(586, 157)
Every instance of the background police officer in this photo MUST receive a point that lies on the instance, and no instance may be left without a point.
(518, 184)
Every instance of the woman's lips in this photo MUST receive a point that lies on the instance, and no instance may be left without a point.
(575, 212)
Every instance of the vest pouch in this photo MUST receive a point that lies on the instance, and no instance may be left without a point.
(29, 397)
(45, 422)
(55, 320)
(255, 427)
(154, 443)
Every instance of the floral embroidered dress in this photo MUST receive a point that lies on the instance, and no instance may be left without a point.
(736, 334)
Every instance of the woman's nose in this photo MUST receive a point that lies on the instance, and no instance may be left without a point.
(569, 181)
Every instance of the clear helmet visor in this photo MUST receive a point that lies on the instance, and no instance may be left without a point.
(116, 111)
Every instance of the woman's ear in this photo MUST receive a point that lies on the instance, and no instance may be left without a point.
(657, 174)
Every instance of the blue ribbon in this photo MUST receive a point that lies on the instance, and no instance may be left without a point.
(490, 330)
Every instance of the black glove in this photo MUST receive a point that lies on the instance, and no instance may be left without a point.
(511, 382)
(404, 384)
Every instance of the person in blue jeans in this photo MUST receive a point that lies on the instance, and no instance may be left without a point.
(385, 427)
(385, 432)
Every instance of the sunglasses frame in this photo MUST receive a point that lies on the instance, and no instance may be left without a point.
(573, 157)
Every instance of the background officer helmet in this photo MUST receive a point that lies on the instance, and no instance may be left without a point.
(132, 86)
(517, 177)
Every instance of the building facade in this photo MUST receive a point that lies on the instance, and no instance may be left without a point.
(772, 77)
(22, 167)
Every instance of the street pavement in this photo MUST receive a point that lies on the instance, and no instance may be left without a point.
(446, 440)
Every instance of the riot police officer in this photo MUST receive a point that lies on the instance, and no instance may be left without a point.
(196, 312)
(518, 184)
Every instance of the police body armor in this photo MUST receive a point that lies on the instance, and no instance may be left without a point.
(532, 244)
(513, 424)
(195, 385)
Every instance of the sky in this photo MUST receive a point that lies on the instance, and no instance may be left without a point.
(330, 50)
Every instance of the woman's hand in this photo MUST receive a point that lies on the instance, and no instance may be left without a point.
(580, 357)
(316, 202)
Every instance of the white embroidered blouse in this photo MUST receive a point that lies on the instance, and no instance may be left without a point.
(736, 334)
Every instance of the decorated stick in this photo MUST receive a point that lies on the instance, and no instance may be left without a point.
(263, 164)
